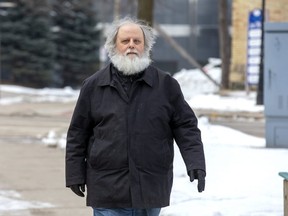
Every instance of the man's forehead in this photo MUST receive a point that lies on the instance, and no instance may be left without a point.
(130, 28)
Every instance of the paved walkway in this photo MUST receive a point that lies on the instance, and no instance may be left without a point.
(31, 168)
(37, 173)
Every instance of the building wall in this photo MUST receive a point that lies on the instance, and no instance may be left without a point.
(276, 11)
(196, 21)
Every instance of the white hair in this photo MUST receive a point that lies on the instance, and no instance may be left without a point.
(149, 35)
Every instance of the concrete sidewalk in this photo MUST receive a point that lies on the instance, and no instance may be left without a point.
(37, 173)
(31, 168)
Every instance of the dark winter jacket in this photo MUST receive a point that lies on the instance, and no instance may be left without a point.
(122, 147)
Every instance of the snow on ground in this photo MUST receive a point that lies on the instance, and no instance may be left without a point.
(25, 94)
(11, 201)
(237, 101)
(201, 85)
(242, 175)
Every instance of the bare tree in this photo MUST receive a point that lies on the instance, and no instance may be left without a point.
(224, 42)
(145, 11)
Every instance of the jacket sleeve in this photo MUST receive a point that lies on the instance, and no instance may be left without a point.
(186, 132)
(78, 136)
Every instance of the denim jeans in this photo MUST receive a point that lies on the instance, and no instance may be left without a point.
(126, 212)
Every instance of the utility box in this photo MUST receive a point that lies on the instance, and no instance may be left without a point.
(276, 84)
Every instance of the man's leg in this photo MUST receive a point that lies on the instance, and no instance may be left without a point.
(113, 212)
(153, 211)
(126, 212)
(147, 212)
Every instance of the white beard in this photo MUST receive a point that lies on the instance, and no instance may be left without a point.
(130, 66)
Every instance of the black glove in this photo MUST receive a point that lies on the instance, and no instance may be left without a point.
(200, 175)
(78, 189)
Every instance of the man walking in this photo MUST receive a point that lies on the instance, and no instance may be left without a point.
(120, 140)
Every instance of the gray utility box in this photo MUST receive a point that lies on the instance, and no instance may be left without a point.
(276, 84)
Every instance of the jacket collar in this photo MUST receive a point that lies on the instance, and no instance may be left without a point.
(105, 76)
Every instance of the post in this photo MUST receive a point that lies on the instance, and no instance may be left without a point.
(260, 90)
(285, 197)
(285, 191)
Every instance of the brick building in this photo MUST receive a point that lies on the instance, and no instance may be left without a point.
(276, 11)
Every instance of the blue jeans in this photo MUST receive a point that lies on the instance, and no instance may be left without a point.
(126, 212)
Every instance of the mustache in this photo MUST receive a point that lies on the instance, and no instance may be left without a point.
(131, 52)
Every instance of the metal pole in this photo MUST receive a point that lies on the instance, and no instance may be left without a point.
(260, 93)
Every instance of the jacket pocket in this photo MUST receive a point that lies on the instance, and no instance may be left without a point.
(106, 154)
(154, 154)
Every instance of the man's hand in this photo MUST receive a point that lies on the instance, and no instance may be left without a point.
(200, 175)
(78, 189)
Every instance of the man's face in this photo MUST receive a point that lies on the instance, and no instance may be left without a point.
(130, 40)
